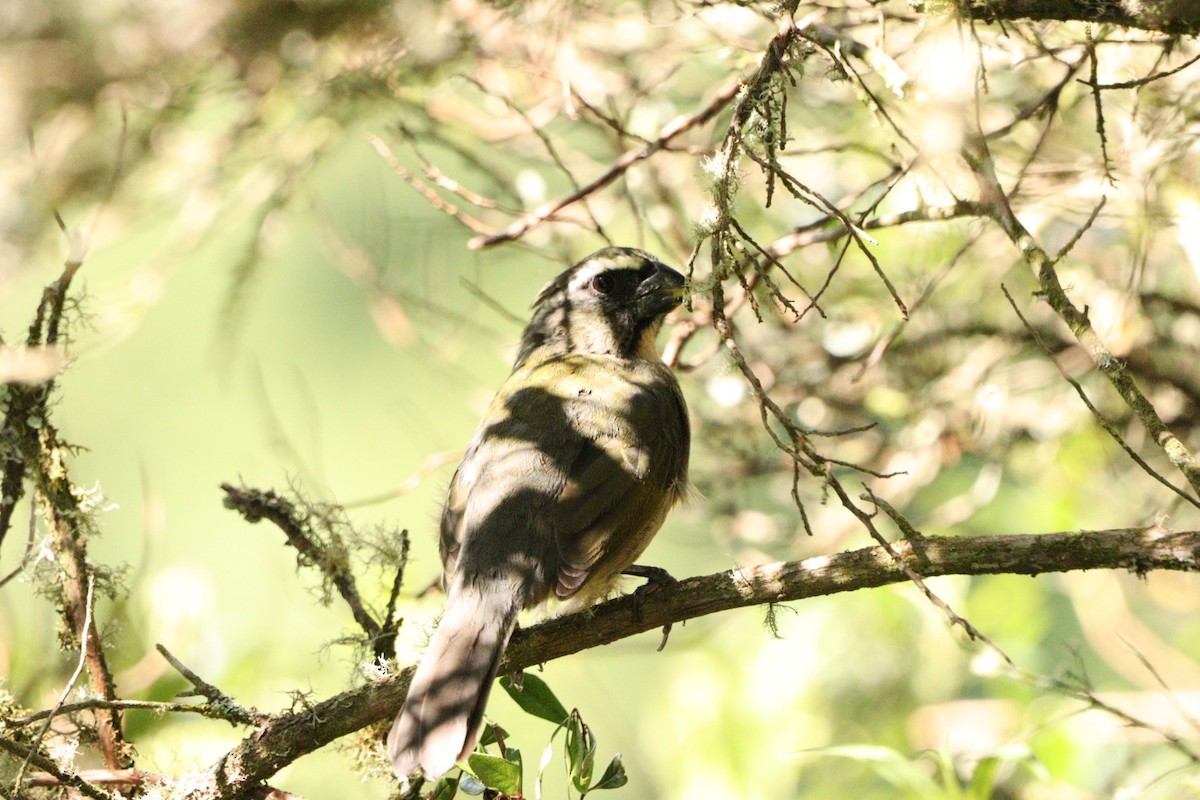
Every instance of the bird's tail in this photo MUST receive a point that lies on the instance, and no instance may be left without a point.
(440, 721)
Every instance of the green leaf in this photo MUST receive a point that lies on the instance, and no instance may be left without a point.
(446, 788)
(535, 697)
(496, 773)
(581, 752)
(614, 776)
(952, 788)
(983, 779)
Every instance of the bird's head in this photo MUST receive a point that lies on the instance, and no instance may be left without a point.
(612, 302)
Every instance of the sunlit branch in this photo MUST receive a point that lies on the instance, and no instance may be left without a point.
(791, 242)
(286, 737)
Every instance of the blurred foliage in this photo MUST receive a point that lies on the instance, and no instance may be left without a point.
(276, 200)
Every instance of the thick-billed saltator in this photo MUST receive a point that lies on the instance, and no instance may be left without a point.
(570, 474)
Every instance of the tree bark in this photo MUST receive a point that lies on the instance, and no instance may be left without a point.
(1167, 16)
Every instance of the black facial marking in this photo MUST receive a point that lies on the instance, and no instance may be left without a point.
(617, 285)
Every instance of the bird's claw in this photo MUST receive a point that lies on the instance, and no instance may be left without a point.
(655, 577)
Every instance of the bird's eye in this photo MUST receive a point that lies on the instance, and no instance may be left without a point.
(603, 283)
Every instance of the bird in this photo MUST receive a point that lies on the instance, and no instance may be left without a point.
(570, 474)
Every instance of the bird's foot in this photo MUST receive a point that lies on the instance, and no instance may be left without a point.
(655, 577)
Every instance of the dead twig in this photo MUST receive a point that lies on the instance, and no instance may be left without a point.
(228, 709)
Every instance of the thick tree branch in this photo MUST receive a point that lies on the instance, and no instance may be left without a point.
(1168, 16)
(286, 737)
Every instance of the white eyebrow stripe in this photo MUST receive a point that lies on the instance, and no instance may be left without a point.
(598, 265)
(584, 276)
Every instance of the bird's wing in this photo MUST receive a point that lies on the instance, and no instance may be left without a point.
(625, 477)
(574, 469)
(499, 507)
(600, 511)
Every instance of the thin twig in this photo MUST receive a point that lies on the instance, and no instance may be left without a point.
(992, 195)
(912, 535)
(1048, 100)
(478, 292)
(432, 197)
(898, 329)
(84, 640)
(1084, 228)
(551, 151)
(1180, 709)
(156, 706)
(802, 192)
(802, 237)
(29, 541)
(1104, 423)
(670, 131)
(1089, 697)
(410, 483)
(1094, 63)
(1140, 82)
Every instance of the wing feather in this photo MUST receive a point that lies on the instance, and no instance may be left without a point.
(603, 451)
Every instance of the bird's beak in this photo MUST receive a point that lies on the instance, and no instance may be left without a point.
(660, 292)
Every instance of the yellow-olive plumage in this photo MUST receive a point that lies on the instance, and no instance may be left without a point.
(572, 470)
